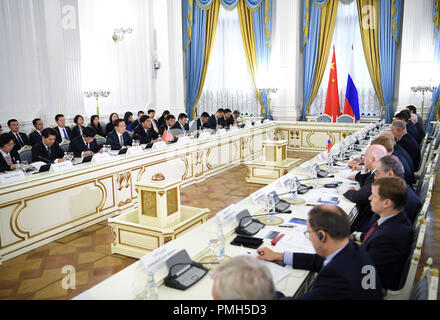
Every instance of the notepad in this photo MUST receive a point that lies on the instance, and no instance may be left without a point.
(329, 200)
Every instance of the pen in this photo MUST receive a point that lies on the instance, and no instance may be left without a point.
(287, 226)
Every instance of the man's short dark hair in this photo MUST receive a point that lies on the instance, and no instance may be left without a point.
(220, 110)
(182, 116)
(150, 111)
(117, 122)
(170, 117)
(12, 120)
(205, 115)
(5, 138)
(89, 132)
(402, 116)
(228, 110)
(330, 219)
(144, 118)
(412, 109)
(140, 112)
(407, 112)
(58, 116)
(393, 188)
(392, 163)
(34, 122)
(48, 132)
(237, 112)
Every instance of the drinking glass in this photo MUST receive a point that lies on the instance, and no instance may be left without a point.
(69, 156)
(214, 241)
(136, 143)
(270, 205)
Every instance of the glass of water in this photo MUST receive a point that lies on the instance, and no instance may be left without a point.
(214, 241)
(136, 143)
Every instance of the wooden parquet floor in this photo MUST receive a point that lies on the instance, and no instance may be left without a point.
(38, 274)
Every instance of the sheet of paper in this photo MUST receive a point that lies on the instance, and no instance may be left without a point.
(295, 241)
(278, 272)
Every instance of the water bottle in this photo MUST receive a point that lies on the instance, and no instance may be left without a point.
(221, 243)
(17, 166)
(294, 189)
(151, 290)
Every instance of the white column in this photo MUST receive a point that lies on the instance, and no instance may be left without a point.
(286, 60)
(417, 54)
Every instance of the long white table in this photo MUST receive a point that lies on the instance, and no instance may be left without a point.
(47, 206)
(120, 286)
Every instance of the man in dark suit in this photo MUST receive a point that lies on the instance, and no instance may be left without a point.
(48, 149)
(410, 127)
(136, 122)
(419, 122)
(217, 121)
(201, 123)
(343, 267)
(390, 166)
(235, 116)
(170, 120)
(388, 142)
(229, 120)
(8, 156)
(20, 138)
(119, 137)
(406, 141)
(144, 132)
(63, 132)
(85, 145)
(388, 242)
(365, 178)
(181, 126)
(154, 123)
(35, 136)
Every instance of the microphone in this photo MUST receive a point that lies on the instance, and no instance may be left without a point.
(44, 159)
(308, 179)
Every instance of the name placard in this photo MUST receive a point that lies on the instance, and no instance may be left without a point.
(159, 145)
(12, 176)
(61, 166)
(134, 150)
(101, 157)
(227, 214)
(156, 259)
(221, 131)
(184, 140)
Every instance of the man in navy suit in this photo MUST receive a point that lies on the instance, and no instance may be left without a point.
(345, 271)
(217, 120)
(389, 143)
(201, 123)
(48, 149)
(86, 144)
(8, 156)
(144, 132)
(419, 122)
(406, 141)
(137, 122)
(170, 121)
(410, 127)
(154, 123)
(181, 126)
(63, 132)
(388, 242)
(119, 137)
(35, 136)
(365, 178)
(20, 138)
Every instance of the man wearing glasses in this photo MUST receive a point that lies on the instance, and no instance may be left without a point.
(345, 271)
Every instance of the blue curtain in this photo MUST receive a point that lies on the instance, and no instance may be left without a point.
(310, 37)
(194, 51)
(263, 47)
(432, 115)
(389, 37)
(194, 39)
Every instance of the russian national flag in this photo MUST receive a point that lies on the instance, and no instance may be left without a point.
(351, 106)
(329, 144)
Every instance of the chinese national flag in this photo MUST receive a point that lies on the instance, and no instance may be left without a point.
(332, 107)
(167, 136)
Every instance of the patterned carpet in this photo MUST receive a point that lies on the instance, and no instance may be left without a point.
(38, 273)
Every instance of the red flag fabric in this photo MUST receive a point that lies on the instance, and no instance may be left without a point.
(167, 136)
(332, 107)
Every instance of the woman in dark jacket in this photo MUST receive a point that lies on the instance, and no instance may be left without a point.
(94, 123)
(110, 126)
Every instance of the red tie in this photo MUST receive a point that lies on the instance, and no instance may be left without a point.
(374, 227)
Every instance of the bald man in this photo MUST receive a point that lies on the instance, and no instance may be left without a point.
(365, 178)
(406, 141)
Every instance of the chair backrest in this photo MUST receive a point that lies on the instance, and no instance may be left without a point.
(101, 140)
(345, 118)
(324, 118)
(26, 155)
(424, 189)
(426, 288)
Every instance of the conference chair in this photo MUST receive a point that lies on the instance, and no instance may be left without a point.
(26, 155)
(100, 140)
(65, 146)
(410, 270)
(345, 118)
(426, 288)
(423, 214)
(324, 118)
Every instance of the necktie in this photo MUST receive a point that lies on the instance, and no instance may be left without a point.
(19, 140)
(121, 140)
(65, 134)
(183, 129)
(50, 153)
(154, 126)
(374, 227)
(87, 146)
(8, 159)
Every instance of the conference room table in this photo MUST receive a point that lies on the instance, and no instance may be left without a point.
(291, 282)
